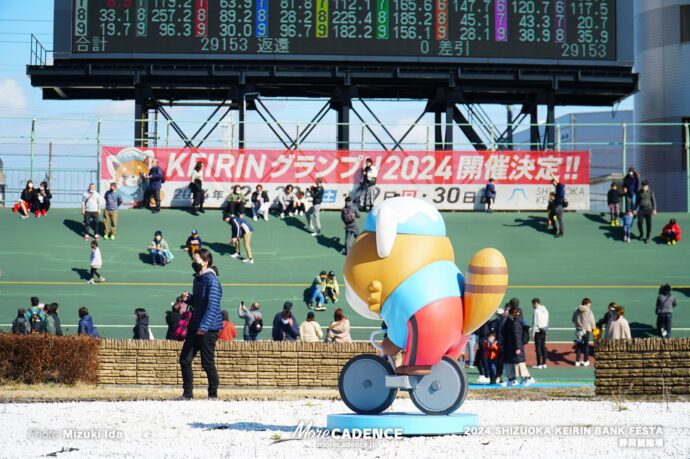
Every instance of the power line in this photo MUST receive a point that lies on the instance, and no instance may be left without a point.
(24, 20)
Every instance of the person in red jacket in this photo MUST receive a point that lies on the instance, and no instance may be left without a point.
(671, 232)
(491, 349)
(229, 332)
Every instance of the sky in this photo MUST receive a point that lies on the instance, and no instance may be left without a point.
(72, 125)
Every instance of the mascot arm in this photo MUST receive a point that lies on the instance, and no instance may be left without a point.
(374, 300)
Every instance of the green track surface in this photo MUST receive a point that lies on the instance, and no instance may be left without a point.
(590, 261)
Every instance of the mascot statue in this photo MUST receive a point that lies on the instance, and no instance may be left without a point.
(401, 270)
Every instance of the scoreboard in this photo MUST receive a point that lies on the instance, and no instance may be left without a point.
(347, 30)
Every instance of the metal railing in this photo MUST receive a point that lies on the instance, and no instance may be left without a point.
(39, 55)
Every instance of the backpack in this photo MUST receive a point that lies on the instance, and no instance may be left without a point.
(525, 334)
(35, 321)
(182, 324)
(256, 326)
(347, 215)
(19, 326)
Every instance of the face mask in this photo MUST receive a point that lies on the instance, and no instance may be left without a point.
(135, 316)
(43, 188)
(31, 185)
(92, 191)
(631, 174)
(285, 321)
(158, 238)
(197, 267)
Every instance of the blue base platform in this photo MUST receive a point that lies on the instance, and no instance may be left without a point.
(410, 423)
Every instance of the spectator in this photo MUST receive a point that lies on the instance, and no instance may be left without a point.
(310, 330)
(204, 326)
(497, 327)
(193, 243)
(181, 304)
(235, 203)
(51, 324)
(490, 195)
(315, 292)
(613, 199)
(155, 179)
(619, 328)
(91, 209)
(172, 318)
(584, 325)
(43, 197)
(86, 324)
(490, 349)
(286, 201)
(608, 317)
(113, 201)
(159, 250)
(27, 200)
(253, 323)
(196, 186)
(331, 290)
(349, 216)
(260, 203)
(540, 325)
(285, 325)
(550, 211)
(645, 207)
(665, 303)
(627, 224)
(367, 183)
(20, 326)
(35, 316)
(671, 232)
(631, 185)
(314, 211)
(229, 332)
(339, 329)
(141, 327)
(300, 203)
(96, 263)
(558, 205)
(242, 230)
(470, 349)
(482, 363)
(514, 350)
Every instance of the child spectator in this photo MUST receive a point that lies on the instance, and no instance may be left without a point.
(35, 316)
(180, 302)
(193, 243)
(260, 203)
(339, 329)
(141, 328)
(315, 292)
(627, 224)
(235, 202)
(172, 318)
(665, 303)
(619, 328)
(229, 332)
(287, 201)
(20, 326)
(491, 349)
(242, 230)
(671, 232)
(310, 330)
(113, 201)
(96, 262)
(253, 323)
(614, 201)
(86, 324)
(27, 200)
(285, 325)
(43, 197)
(51, 324)
(331, 290)
(349, 215)
(301, 203)
(159, 250)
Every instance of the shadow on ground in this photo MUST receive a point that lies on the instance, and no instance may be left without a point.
(532, 221)
(84, 274)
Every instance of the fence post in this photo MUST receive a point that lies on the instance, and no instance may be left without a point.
(167, 134)
(428, 137)
(493, 146)
(625, 146)
(687, 163)
(33, 140)
(297, 138)
(98, 157)
(364, 126)
(232, 134)
(50, 166)
(558, 136)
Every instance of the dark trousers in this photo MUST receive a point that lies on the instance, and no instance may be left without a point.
(88, 218)
(671, 236)
(492, 370)
(301, 207)
(156, 197)
(663, 320)
(198, 198)
(206, 344)
(483, 362)
(646, 215)
(582, 347)
(540, 347)
(350, 233)
(45, 205)
(94, 273)
(558, 214)
(236, 208)
(329, 293)
(499, 364)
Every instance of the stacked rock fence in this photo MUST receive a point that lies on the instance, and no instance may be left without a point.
(239, 363)
(643, 367)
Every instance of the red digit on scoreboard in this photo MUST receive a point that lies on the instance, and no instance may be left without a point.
(441, 19)
(200, 18)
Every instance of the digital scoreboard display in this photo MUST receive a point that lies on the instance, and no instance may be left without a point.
(405, 30)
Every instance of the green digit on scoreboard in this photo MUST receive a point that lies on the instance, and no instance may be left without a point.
(381, 19)
(321, 18)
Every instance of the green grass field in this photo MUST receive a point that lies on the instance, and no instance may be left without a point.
(48, 258)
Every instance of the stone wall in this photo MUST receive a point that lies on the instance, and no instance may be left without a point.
(239, 363)
(643, 366)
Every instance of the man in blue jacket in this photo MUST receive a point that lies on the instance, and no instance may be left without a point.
(558, 205)
(155, 179)
(285, 325)
(490, 195)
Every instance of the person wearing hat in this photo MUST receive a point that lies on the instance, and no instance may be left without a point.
(20, 325)
(285, 325)
(193, 243)
(645, 207)
(316, 193)
(159, 249)
(315, 292)
(331, 291)
(310, 330)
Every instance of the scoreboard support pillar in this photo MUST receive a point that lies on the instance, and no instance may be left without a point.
(534, 129)
(341, 102)
(141, 117)
(550, 122)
